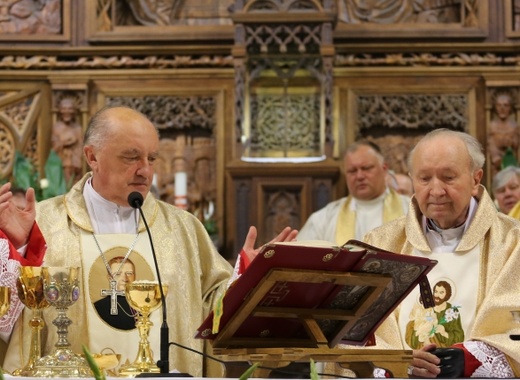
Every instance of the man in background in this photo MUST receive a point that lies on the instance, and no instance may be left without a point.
(506, 189)
(369, 204)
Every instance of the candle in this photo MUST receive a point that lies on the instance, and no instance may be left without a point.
(181, 190)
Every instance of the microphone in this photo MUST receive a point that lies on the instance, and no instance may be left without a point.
(135, 199)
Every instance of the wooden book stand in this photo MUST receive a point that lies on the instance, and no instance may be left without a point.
(276, 352)
(298, 301)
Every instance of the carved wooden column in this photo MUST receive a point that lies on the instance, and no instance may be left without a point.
(282, 169)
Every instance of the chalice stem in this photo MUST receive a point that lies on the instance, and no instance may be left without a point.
(144, 353)
(62, 322)
(37, 323)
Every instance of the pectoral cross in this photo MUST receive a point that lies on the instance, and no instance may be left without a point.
(113, 293)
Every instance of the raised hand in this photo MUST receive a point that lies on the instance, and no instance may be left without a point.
(287, 234)
(14, 222)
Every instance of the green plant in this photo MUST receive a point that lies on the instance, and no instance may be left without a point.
(247, 374)
(98, 374)
(25, 176)
(314, 371)
(211, 226)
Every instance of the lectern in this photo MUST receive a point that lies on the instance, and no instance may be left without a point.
(296, 302)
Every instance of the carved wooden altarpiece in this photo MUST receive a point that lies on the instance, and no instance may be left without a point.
(283, 57)
(24, 125)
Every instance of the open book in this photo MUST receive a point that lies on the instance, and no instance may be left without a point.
(301, 294)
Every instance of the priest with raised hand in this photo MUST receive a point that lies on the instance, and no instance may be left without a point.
(93, 223)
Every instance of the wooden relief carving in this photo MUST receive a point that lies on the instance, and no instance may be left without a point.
(411, 11)
(69, 115)
(30, 17)
(117, 13)
(391, 18)
(503, 130)
(35, 20)
(512, 18)
(38, 62)
(282, 210)
(18, 132)
(516, 15)
(284, 115)
(187, 144)
(7, 149)
(31, 150)
(412, 111)
(397, 122)
(425, 59)
(285, 122)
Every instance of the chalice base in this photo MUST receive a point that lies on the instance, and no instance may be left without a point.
(62, 363)
(137, 367)
(27, 371)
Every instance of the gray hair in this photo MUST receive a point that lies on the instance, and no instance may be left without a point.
(504, 176)
(372, 145)
(98, 128)
(473, 146)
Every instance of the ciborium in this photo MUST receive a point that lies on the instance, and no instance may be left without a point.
(144, 297)
(61, 290)
(29, 286)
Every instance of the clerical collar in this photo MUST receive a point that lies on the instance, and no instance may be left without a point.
(106, 216)
(371, 202)
(450, 234)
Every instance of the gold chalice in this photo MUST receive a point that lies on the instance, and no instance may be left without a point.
(145, 297)
(5, 300)
(61, 290)
(29, 286)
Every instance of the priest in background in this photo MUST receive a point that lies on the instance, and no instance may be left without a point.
(370, 202)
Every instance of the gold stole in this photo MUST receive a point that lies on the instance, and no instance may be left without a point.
(515, 211)
(346, 224)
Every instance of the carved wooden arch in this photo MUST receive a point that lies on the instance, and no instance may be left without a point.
(23, 117)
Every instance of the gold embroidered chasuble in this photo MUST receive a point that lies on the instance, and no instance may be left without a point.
(194, 271)
(497, 238)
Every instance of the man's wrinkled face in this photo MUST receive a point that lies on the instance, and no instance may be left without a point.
(125, 161)
(443, 180)
(365, 173)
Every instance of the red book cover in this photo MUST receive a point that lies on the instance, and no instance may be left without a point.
(315, 256)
